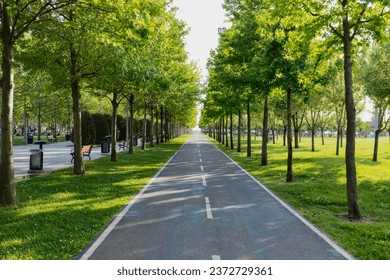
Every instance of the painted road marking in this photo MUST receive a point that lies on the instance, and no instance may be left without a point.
(200, 160)
(201, 168)
(204, 181)
(216, 257)
(209, 213)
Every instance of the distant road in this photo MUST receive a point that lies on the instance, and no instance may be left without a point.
(203, 206)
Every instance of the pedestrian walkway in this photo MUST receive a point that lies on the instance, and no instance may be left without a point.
(55, 156)
(203, 206)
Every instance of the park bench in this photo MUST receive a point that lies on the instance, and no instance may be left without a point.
(122, 145)
(51, 138)
(86, 151)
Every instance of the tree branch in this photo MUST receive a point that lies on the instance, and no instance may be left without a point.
(334, 30)
(45, 9)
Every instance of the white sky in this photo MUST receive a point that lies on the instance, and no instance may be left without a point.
(203, 18)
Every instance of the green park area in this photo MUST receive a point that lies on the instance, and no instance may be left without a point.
(59, 214)
(89, 71)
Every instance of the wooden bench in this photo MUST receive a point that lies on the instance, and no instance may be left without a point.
(86, 151)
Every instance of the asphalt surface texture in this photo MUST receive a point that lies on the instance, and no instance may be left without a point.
(203, 206)
(55, 156)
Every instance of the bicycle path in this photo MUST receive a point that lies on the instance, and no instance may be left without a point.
(203, 206)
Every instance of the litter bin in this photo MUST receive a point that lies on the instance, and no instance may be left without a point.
(105, 146)
(67, 137)
(135, 142)
(30, 138)
(36, 161)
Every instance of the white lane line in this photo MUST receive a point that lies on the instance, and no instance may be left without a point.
(200, 160)
(209, 213)
(204, 181)
(201, 168)
(216, 257)
(200, 155)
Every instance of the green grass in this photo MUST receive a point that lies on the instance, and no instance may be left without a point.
(319, 191)
(59, 214)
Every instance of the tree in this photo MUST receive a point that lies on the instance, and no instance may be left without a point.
(343, 24)
(375, 75)
(17, 17)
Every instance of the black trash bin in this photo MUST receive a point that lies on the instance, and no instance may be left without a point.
(30, 138)
(135, 142)
(105, 146)
(36, 161)
(67, 137)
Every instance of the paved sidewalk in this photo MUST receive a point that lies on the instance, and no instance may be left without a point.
(55, 156)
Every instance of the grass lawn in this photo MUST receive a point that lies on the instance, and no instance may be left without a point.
(59, 214)
(319, 191)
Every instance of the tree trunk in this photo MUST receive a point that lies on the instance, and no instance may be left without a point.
(313, 132)
(231, 131)
(7, 177)
(222, 129)
(264, 144)
(239, 132)
(296, 129)
(289, 139)
(352, 191)
(249, 139)
(114, 103)
(167, 132)
(162, 124)
(226, 131)
(338, 142)
(39, 119)
(131, 124)
(151, 127)
(78, 168)
(157, 126)
(376, 144)
(144, 128)
(381, 127)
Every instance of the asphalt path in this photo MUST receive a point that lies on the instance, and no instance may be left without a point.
(55, 156)
(203, 206)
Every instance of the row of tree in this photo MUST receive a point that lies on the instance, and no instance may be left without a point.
(80, 51)
(295, 57)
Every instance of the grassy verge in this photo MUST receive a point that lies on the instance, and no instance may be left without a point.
(319, 191)
(59, 213)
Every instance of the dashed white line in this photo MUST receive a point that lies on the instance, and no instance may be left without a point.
(209, 213)
(216, 257)
(204, 181)
(200, 160)
(201, 168)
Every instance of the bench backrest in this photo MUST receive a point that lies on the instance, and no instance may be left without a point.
(86, 149)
